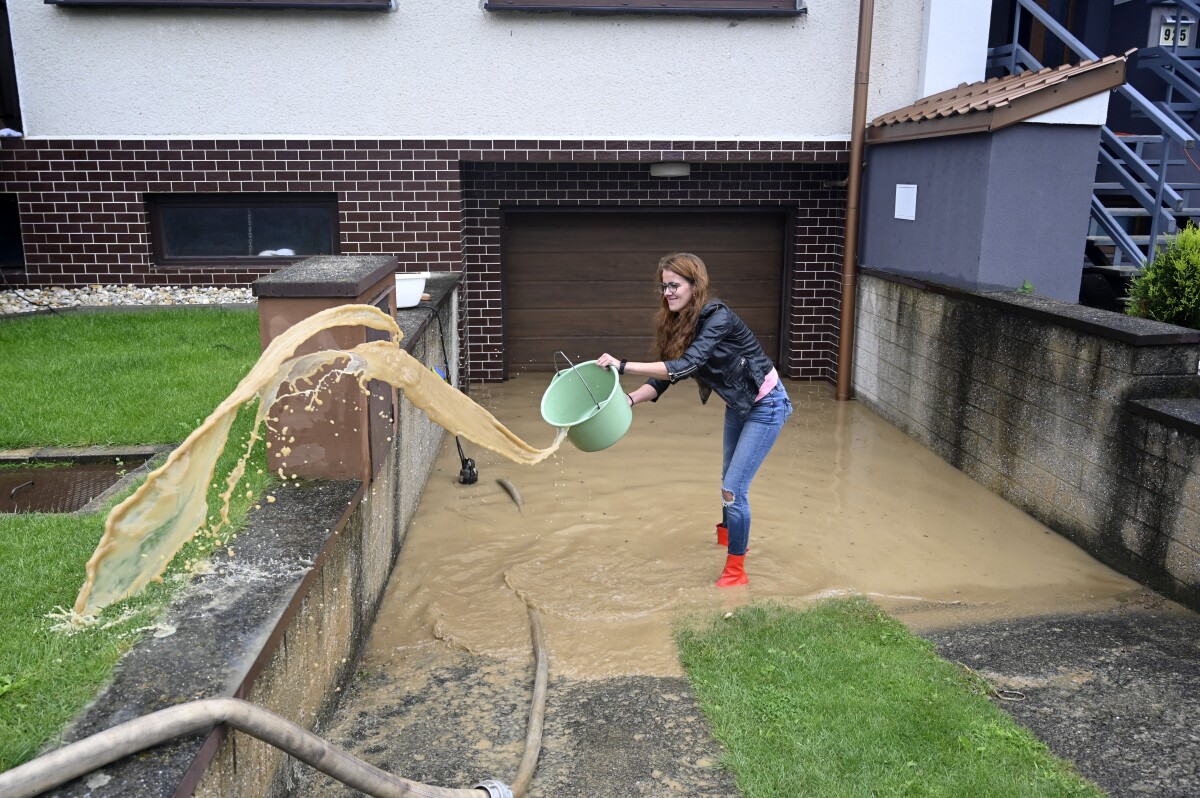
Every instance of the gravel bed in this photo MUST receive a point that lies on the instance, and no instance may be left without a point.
(27, 300)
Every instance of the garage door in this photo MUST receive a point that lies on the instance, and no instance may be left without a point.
(583, 282)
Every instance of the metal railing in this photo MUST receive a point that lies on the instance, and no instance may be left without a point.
(1142, 177)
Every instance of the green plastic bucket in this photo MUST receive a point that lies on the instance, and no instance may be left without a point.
(588, 401)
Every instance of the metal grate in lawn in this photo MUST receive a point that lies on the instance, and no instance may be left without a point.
(58, 487)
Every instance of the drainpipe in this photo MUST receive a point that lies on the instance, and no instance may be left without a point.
(858, 128)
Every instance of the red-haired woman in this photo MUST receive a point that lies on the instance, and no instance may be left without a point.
(702, 338)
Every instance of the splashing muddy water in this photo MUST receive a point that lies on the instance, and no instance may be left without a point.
(613, 546)
(145, 531)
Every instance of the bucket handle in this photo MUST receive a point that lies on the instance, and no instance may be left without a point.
(577, 374)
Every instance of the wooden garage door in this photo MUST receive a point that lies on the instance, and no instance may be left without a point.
(583, 282)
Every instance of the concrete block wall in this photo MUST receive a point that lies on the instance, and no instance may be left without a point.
(421, 438)
(285, 628)
(323, 641)
(1165, 462)
(316, 652)
(1035, 399)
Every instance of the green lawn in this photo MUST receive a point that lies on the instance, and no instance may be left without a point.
(79, 379)
(119, 378)
(842, 701)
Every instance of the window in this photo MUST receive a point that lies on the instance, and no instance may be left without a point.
(241, 229)
(10, 103)
(351, 5)
(12, 252)
(726, 7)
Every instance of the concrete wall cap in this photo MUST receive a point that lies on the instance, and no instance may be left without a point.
(326, 276)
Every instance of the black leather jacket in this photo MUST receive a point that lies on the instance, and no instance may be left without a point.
(724, 357)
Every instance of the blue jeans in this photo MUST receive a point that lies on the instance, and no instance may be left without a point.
(747, 442)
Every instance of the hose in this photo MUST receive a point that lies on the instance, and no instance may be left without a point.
(71, 761)
(57, 767)
(537, 708)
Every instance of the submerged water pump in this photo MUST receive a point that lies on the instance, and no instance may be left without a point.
(469, 474)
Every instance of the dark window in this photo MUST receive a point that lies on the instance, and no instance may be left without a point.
(726, 7)
(241, 229)
(352, 5)
(10, 103)
(12, 252)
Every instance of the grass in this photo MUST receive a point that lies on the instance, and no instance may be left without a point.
(121, 378)
(842, 700)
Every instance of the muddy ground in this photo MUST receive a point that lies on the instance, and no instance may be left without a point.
(614, 546)
(1117, 692)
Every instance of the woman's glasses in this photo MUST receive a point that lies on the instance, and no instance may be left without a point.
(668, 288)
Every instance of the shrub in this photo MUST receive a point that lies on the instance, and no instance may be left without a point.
(1169, 287)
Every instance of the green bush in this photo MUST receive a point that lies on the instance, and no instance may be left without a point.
(1169, 288)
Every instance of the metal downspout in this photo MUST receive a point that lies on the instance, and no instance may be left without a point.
(858, 129)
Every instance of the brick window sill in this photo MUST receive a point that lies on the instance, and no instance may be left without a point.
(229, 264)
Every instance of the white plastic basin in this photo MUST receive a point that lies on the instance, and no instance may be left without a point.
(409, 288)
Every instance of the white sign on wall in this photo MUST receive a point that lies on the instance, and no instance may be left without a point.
(906, 201)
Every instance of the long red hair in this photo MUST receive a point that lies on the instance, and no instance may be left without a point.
(676, 330)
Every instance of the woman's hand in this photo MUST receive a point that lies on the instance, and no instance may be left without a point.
(656, 370)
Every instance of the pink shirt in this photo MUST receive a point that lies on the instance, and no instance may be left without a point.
(768, 384)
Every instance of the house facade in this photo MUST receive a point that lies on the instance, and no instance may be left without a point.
(550, 155)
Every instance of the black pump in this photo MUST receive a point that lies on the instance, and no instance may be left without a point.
(469, 474)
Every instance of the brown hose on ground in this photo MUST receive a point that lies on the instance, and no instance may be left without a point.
(57, 767)
(537, 708)
(72, 761)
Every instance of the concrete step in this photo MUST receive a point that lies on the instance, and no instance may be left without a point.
(1142, 212)
(1117, 188)
(1101, 240)
(1123, 270)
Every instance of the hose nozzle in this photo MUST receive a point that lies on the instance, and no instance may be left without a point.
(495, 789)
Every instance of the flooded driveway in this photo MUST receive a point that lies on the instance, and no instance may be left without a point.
(614, 546)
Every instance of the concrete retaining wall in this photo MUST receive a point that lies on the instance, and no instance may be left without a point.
(1036, 399)
(282, 625)
(321, 644)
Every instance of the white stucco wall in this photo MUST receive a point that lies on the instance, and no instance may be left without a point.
(954, 44)
(447, 68)
(1088, 111)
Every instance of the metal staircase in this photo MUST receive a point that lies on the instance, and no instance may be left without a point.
(1147, 184)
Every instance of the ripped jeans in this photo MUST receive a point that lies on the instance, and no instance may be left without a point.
(747, 442)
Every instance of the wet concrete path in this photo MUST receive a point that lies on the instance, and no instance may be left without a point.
(613, 547)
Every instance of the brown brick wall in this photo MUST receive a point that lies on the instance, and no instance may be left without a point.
(816, 246)
(83, 221)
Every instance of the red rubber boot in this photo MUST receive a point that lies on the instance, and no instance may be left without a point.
(722, 535)
(735, 571)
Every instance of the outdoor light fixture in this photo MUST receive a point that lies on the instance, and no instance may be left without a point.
(670, 169)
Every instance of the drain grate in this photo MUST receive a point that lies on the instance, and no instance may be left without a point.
(59, 488)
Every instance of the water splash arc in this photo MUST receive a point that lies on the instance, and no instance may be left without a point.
(145, 531)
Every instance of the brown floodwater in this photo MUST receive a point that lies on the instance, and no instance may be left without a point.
(613, 547)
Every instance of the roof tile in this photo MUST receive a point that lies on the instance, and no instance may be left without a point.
(986, 95)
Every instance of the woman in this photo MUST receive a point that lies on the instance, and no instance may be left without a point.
(702, 338)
